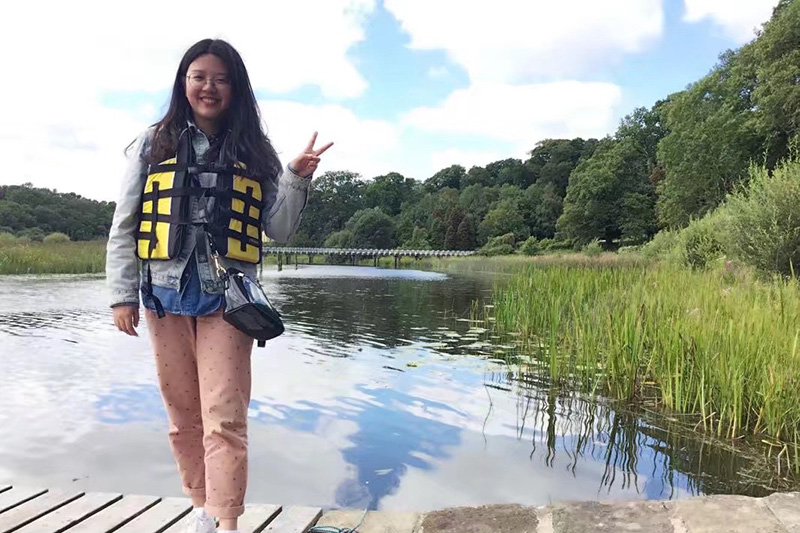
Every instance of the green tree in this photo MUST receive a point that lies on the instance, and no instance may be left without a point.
(340, 239)
(334, 198)
(371, 228)
(542, 205)
(418, 241)
(477, 200)
(415, 215)
(713, 137)
(510, 172)
(450, 177)
(476, 176)
(454, 219)
(601, 189)
(389, 192)
(552, 160)
(776, 58)
(644, 128)
(465, 235)
(16, 216)
(503, 219)
(445, 201)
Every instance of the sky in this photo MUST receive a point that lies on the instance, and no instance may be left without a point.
(409, 86)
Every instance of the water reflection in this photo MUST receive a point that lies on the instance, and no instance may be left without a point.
(641, 450)
(381, 394)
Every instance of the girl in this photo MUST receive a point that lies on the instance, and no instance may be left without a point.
(204, 180)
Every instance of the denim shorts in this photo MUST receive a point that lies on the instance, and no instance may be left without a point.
(189, 299)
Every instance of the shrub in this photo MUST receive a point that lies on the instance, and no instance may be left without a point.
(7, 238)
(593, 249)
(547, 244)
(764, 220)
(34, 234)
(663, 246)
(530, 247)
(703, 241)
(56, 237)
(500, 245)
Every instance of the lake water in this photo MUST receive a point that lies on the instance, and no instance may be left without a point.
(381, 394)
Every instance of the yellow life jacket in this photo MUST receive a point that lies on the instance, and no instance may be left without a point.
(234, 222)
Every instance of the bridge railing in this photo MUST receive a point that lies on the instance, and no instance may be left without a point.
(365, 252)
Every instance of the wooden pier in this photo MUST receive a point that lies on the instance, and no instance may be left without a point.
(39, 510)
(32, 510)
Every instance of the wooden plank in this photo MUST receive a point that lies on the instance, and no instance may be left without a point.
(294, 519)
(158, 517)
(115, 515)
(35, 508)
(255, 517)
(71, 514)
(17, 495)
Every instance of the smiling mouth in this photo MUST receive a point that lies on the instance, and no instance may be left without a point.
(210, 101)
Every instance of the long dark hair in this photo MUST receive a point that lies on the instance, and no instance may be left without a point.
(246, 140)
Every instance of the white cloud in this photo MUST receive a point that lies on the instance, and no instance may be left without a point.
(87, 46)
(511, 41)
(438, 73)
(369, 147)
(738, 18)
(72, 148)
(56, 133)
(524, 114)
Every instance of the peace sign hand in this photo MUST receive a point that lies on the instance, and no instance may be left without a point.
(306, 163)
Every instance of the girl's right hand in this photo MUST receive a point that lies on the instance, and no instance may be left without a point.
(126, 318)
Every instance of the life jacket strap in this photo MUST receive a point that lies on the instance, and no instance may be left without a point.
(237, 195)
(172, 192)
(241, 236)
(152, 297)
(245, 217)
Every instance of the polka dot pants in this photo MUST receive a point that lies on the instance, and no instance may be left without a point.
(203, 366)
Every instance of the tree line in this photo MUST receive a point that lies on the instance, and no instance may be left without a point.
(27, 211)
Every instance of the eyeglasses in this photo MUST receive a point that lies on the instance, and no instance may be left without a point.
(197, 80)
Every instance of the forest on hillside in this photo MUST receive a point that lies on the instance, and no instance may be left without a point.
(28, 211)
(663, 167)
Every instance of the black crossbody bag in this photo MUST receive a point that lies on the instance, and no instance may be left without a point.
(247, 307)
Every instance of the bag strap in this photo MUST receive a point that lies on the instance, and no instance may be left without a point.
(152, 297)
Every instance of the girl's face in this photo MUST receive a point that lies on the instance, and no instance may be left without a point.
(208, 89)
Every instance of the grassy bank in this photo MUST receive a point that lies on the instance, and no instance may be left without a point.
(721, 345)
(513, 264)
(52, 258)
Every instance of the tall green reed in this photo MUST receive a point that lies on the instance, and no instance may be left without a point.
(52, 258)
(723, 348)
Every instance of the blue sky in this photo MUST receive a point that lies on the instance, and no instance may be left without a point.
(399, 85)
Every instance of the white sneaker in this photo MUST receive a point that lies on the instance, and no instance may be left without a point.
(201, 524)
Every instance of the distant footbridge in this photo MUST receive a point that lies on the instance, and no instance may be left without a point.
(354, 255)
